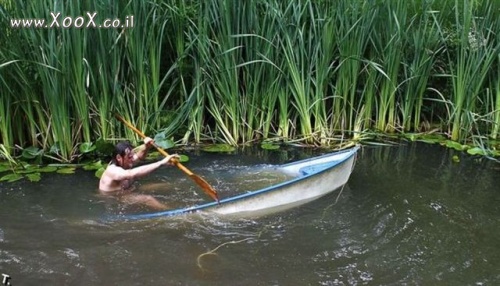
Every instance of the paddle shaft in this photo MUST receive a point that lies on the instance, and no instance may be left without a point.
(200, 181)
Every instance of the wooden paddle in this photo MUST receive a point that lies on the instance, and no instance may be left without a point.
(199, 180)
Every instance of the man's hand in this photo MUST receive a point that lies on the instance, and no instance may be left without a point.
(171, 159)
(148, 141)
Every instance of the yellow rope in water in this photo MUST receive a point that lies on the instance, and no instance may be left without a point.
(198, 260)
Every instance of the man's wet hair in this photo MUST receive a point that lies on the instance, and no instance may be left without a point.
(121, 148)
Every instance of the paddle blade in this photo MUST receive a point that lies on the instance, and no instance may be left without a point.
(205, 186)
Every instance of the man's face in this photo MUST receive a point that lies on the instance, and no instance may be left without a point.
(127, 160)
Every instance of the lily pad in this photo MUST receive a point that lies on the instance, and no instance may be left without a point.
(93, 166)
(11, 177)
(153, 155)
(156, 156)
(431, 138)
(455, 145)
(26, 171)
(34, 177)
(4, 168)
(183, 158)
(47, 169)
(219, 148)
(99, 172)
(163, 142)
(411, 136)
(66, 170)
(476, 151)
(269, 146)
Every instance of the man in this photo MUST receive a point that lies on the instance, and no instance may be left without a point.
(119, 176)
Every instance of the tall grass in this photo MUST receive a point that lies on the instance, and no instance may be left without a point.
(470, 64)
(389, 46)
(353, 25)
(308, 50)
(80, 84)
(241, 71)
(495, 105)
(424, 45)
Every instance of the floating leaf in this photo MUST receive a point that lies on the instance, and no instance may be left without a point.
(47, 169)
(476, 151)
(455, 145)
(4, 168)
(411, 136)
(153, 155)
(34, 177)
(269, 146)
(99, 172)
(86, 147)
(93, 166)
(163, 142)
(183, 158)
(432, 138)
(31, 152)
(66, 170)
(26, 171)
(219, 148)
(11, 177)
(455, 159)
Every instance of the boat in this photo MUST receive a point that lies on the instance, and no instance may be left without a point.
(310, 179)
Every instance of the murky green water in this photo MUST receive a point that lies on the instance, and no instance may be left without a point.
(407, 216)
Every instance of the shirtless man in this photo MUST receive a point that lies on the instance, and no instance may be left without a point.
(119, 176)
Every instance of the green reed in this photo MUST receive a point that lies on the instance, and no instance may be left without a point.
(219, 54)
(5, 119)
(239, 71)
(262, 74)
(267, 80)
(52, 64)
(353, 26)
(496, 106)
(307, 66)
(424, 45)
(105, 77)
(474, 56)
(257, 72)
(143, 52)
(294, 68)
(389, 45)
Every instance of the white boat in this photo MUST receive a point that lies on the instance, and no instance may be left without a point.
(310, 179)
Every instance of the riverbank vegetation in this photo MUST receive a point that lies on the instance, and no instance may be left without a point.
(309, 72)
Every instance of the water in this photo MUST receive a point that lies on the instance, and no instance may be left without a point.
(408, 216)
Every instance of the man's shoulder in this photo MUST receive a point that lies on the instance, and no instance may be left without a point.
(113, 166)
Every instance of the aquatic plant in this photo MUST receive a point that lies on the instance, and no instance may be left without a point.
(470, 64)
(237, 72)
(352, 25)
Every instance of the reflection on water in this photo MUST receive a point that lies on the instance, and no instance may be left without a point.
(408, 215)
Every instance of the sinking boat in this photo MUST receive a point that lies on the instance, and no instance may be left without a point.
(309, 179)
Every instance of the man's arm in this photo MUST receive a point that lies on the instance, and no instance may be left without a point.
(142, 151)
(119, 174)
